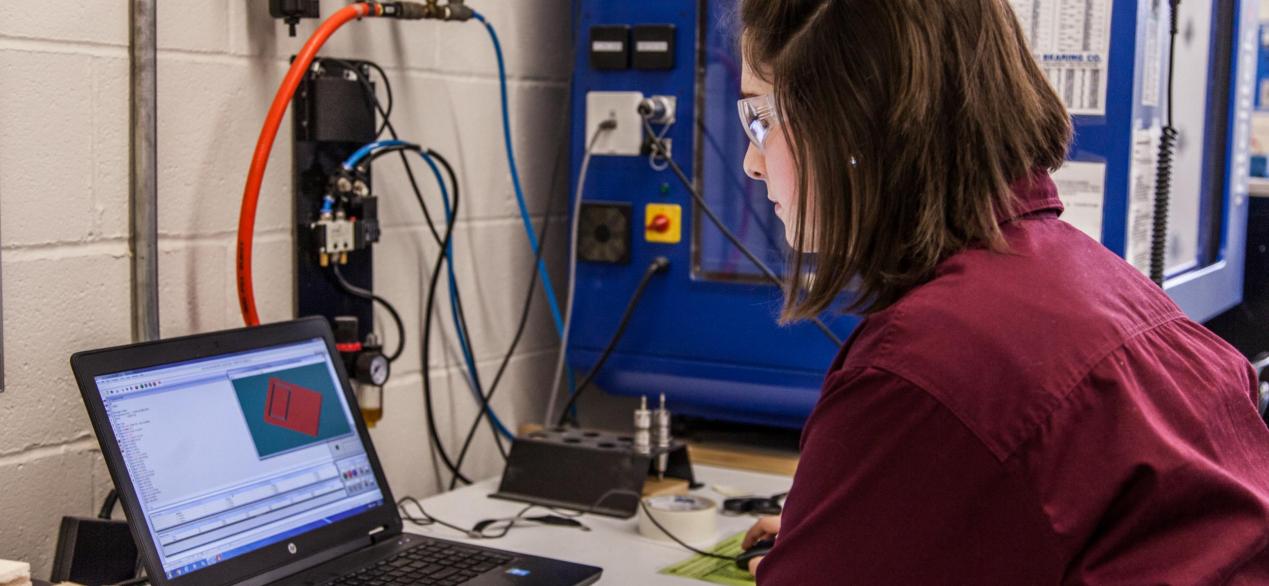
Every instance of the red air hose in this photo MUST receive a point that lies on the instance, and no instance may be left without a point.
(260, 159)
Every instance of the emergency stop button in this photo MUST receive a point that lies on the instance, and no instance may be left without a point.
(663, 223)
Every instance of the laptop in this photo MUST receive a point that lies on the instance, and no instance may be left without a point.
(240, 458)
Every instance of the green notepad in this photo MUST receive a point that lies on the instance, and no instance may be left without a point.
(714, 570)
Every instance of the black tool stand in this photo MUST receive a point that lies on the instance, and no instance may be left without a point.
(584, 470)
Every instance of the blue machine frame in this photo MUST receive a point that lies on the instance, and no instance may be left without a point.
(1212, 283)
(710, 341)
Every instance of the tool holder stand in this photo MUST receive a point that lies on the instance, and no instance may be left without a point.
(576, 468)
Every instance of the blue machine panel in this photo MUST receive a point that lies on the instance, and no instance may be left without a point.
(705, 333)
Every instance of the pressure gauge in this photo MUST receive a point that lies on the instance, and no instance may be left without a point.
(372, 368)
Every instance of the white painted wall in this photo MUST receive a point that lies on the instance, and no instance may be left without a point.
(63, 215)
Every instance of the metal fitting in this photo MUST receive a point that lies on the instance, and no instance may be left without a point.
(658, 109)
(458, 11)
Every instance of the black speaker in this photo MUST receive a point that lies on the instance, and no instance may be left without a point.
(94, 551)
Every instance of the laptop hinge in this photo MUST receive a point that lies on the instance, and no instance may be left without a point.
(383, 533)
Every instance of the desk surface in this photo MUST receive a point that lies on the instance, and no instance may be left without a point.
(612, 544)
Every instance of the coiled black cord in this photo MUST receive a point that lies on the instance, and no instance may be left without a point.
(1164, 166)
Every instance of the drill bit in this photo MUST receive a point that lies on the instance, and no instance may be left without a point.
(643, 427)
(662, 417)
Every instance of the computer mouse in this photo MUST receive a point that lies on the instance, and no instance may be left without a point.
(759, 549)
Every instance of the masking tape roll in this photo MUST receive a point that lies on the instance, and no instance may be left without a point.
(693, 519)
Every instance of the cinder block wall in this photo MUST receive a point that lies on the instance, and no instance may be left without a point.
(64, 224)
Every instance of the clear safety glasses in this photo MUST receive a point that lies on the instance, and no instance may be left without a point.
(759, 116)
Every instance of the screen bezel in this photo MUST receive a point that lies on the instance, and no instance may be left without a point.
(89, 365)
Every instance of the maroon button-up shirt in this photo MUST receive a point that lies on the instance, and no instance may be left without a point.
(1044, 416)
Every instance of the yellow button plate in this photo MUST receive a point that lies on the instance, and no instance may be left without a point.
(673, 214)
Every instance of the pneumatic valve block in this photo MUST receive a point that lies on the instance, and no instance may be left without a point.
(348, 221)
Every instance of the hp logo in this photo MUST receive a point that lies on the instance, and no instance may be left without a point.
(291, 548)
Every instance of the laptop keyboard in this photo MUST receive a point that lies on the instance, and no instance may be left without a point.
(430, 562)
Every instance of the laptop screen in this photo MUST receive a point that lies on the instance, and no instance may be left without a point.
(235, 452)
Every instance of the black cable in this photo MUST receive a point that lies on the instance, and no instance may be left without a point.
(675, 538)
(644, 505)
(427, 518)
(458, 298)
(108, 505)
(427, 326)
(462, 315)
(489, 529)
(659, 146)
(1163, 167)
(356, 291)
(515, 340)
(657, 266)
(528, 301)
(385, 113)
(392, 131)
(477, 532)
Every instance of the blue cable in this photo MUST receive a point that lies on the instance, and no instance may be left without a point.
(551, 299)
(351, 162)
(474, 380)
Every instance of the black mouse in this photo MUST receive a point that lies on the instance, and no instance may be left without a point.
(759, 549)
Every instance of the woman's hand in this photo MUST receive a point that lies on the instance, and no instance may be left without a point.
(765, 528)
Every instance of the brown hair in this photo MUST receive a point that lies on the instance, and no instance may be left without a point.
(908, 120)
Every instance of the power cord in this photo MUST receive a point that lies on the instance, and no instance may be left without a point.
(659, 146)
(478, 531)
(490, 528)
(108, 504)
(658, 265)
(356, 291)
(561, 364)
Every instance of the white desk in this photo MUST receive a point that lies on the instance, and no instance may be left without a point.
(612, 544)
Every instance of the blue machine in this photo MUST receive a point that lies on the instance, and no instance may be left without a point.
(706, 333)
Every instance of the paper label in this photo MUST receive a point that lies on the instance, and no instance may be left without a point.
(1082, 187)
(1071, 41)
(1152, 69)
(1145, 157)
(652, 47)
(607, 46)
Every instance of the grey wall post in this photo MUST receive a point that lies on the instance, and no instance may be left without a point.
(144, 201)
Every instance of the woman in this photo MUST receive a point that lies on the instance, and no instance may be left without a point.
(1020, 406)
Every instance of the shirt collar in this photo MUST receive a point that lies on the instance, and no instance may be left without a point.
(1033, 194)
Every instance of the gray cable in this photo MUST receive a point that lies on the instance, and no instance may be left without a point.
(560, 365)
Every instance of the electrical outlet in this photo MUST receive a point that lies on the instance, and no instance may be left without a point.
(626, 140)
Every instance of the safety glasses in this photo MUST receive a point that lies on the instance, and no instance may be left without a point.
(759, 116)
